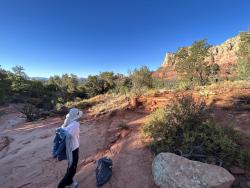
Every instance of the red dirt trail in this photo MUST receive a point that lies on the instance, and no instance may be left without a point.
(27, 162)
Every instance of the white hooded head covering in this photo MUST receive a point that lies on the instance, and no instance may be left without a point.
(73, 115)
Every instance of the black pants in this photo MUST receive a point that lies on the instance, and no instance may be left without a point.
(71, 171)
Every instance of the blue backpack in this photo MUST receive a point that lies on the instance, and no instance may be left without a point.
(103, 171)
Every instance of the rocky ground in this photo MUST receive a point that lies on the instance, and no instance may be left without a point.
(25, 148)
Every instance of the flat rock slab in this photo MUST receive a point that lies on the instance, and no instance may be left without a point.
(173, 171)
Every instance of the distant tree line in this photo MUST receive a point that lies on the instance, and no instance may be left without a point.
(17, 87)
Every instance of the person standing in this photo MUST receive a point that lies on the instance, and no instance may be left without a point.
(72, 127)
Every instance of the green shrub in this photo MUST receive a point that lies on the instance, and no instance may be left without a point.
(191, 62)
(243, 64)
(243, 159)
(100, 84)
(184, 85)
(184, 128)
(163, 83)
(4, 86)
(122, 86)
(30, 111)
(243, 69)
(141, 80)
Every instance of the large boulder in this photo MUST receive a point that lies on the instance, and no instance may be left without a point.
(173, 171)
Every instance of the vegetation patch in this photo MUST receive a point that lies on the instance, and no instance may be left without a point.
(242, 102)
(184, 128)
(110, 102)
(224, 85)
(30, 111)
(243, 65)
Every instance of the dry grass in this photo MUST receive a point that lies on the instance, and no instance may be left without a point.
(85, 103)
(239, 84)
(108, 103)
(223, 86)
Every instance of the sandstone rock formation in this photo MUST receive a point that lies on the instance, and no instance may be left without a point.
(173, 171)
(169, 60)
(225, 55)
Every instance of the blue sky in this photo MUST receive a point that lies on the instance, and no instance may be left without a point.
(49, 37)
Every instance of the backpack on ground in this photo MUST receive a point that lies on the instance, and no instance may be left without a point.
(103, 171)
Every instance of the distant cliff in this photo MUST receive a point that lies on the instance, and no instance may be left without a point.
(225, 55)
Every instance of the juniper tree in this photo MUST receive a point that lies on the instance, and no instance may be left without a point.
(243, 64)
(191, 64)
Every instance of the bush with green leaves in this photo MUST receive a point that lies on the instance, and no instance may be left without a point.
(141, 80)
(212, 72)
(67, 87)
(100, 84)
(30, 111)
(158, 83)
(184, 85)
(191, 64)
(185, 129)
(243, 69)
(4, 86)
(243, 65)
(122, 85)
